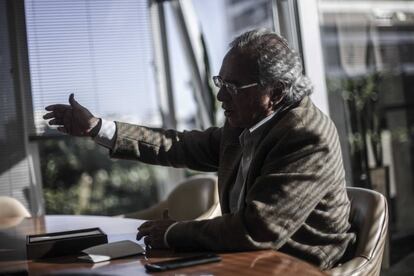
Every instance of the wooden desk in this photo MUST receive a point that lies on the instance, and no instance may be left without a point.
(13, 252)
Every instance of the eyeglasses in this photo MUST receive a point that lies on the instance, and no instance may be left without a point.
(231, 88)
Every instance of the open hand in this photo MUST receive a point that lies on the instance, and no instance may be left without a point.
(73, 119)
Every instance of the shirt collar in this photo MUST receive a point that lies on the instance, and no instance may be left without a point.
(250, 135)
(262, 122)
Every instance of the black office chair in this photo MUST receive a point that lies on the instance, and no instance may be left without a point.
(369, 218)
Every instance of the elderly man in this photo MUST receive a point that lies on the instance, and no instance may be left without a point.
(280, 173)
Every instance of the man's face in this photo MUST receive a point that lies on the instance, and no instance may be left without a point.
(249, 105)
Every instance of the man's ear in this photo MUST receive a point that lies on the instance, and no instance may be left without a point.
(276, 95)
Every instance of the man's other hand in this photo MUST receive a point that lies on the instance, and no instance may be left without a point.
(153, 232)
(73, 119)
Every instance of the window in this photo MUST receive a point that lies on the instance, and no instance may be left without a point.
(102, 52)
(368, 54)
(14, 163)
(99, 50)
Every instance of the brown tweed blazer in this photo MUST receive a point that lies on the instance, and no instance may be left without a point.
(295, 201)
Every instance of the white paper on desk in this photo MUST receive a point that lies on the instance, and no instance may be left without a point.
(112, 250)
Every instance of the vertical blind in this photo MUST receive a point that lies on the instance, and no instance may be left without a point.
(101, 50)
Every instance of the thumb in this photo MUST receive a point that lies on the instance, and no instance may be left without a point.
(73, 102)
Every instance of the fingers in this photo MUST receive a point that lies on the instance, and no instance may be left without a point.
(57, 111)
(154, 241)
(140, 235)
(73, 102)
(62, 115)
(153, 232)
(56, 122)
(48, 115)
(149, 232)
(144, 230)
(57, 107)
(147, 241)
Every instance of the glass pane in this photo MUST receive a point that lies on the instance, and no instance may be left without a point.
(183, 89)
(14, 164)
(80, 178)
(368, 50)
(102, 51)
(221, 21)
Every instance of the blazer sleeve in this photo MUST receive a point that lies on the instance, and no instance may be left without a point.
(293, 180)
(197, 150)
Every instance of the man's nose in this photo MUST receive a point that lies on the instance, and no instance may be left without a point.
(223, 95)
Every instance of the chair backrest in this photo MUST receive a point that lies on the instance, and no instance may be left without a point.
(195, 198)
(11, 207)
(369, 218)
(12, 212)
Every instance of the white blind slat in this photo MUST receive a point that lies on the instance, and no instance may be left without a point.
(100, 50)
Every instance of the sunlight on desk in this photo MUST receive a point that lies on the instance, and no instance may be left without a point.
(13, 253)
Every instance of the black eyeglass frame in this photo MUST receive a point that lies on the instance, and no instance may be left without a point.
(231, 88)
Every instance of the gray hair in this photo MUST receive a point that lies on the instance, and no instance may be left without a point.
(277, 64)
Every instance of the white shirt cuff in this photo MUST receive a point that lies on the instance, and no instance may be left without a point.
(166, 233)
(106, 134)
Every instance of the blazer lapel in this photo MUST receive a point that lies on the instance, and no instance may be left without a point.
(268, 138)
(229, 165)
(228, 174)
